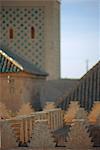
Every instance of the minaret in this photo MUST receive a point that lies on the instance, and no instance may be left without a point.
(31, 29)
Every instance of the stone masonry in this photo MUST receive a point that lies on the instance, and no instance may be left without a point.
(43, 18)
(7, 138)
(42, 137)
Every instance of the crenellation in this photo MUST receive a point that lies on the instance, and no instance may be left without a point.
(23, 126)
(71, 112)
(95, 112)
(43, 135)
(37, 114)
(78, 130)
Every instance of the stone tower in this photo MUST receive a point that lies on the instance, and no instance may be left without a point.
(31, 29)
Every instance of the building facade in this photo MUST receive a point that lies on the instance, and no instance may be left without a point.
(19, 81)
(31, 29)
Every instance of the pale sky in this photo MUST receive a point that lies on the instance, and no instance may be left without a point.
(80, 36)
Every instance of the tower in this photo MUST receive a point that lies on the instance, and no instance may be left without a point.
(31, 29)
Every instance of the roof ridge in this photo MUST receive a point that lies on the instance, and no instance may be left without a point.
(87, 90)
(11, 59)
(24, 64)
(90, 70)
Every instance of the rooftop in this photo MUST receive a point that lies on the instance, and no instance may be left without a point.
(10, 62)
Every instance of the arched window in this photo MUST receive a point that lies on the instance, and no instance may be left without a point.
(32, 32)
(11, 34)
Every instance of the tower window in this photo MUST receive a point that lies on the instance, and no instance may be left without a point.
(32, 32)
(11, 34)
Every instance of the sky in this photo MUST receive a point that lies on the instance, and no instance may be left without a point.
(80, 36)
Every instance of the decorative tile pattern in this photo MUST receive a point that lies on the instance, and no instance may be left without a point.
(21, 20)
